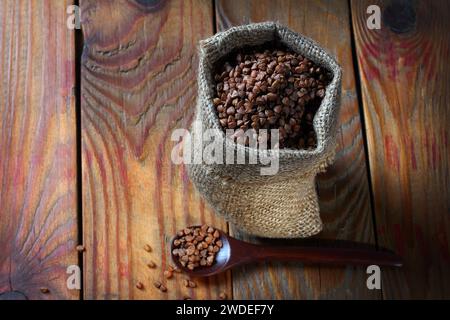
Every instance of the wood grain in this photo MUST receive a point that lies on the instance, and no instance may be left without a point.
(406, 88)
(138, 85)
(343, 189)
(38, 216)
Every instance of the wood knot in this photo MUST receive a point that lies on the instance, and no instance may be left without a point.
(13, 295)
(400, 16)
(150, 5)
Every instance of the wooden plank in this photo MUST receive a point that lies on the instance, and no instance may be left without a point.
(38, 216)
(138, 85)
(344, 188)
(406, 88)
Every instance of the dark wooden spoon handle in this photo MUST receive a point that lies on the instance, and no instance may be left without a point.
(329, 256)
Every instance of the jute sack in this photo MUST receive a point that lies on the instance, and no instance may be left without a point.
(283, 205)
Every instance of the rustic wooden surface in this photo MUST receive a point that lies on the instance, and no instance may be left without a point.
(405, 81)
(344, 189)
(138, 85)
(38, 215)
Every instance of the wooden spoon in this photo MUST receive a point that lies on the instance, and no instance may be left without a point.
(236, 252)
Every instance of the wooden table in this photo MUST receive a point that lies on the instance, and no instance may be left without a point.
(85, 146)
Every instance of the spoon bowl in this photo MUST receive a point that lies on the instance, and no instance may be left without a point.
(236, 252)
(221, 260)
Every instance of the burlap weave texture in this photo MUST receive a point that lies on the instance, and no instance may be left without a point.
(284, 205)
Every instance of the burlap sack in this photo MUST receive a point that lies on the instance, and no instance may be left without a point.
(284, 205)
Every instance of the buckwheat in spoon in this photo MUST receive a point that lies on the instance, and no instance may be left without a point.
(204, 251)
